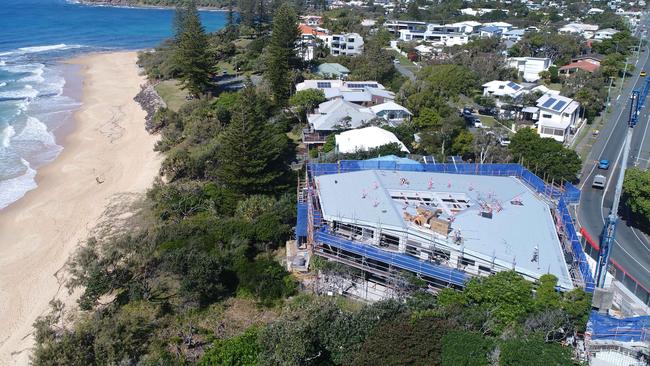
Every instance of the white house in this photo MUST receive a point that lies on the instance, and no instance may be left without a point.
(503, 89)
(501, 25)
(514, 34)
(391, 112)
(364, 139)
(585, 30)
(346, 44)
(441, 35)
(468, 26)
(366, 93)
(593, 11)
(606, 33)
(394, 26)
(338, 114)
(529, 67)
(557, 115)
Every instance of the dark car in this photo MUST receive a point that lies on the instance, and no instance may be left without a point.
(466, 112)
(488, 111)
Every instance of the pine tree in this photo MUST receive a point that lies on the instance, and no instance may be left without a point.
(251, 156)
(282, 54)
(192, 58)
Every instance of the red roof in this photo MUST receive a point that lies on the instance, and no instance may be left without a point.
(582, 65)
(305, 29)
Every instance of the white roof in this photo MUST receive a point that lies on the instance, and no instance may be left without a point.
(545, 90)
(365, 139)
(389, 106)
(338, 112)
(500, 88)
(498, 24)
(469, 23)
(557, 104)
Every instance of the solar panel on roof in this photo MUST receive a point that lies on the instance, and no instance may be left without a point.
(559, 105)
(514, 85)
(549, 102)
(323, 85)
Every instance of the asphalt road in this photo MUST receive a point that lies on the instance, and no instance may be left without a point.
(632, 248)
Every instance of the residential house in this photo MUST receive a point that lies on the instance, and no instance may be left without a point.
(310, 37)
(468, 26)
(503, 91)
(395, 26)
(585, 30)
(365, 93)
(364, 139)
(514, 34)
(606, 33)
(501, 25)
(339, 114)
(593, 11)
(529, 67)
(490, 32)
(345, 44)
(332, 70)
(391, 112)
(334, 115)
(583, 65)
(312, 20)
(441, 35)
(557, 116)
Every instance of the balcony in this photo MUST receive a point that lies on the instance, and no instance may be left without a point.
(313, 137)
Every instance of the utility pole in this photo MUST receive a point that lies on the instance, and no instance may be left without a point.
(609, 89)
(620, 90)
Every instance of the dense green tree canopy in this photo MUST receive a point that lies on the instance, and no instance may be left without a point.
(636, 189)
(544, 156)
(192, 59)
(281, 53)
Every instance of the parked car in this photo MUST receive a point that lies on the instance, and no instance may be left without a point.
(467, 112)
(488, 111)
(504, 141)
(599, 181)
(603, 164)
(642, 73)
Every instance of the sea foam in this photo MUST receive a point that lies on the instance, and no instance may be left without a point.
(15, 188)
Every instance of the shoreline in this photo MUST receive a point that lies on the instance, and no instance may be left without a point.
(42, 229)
(144, 6)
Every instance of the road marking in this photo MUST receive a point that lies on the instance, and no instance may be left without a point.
(645, 132)
(629, 255)
(636, 80)
(607, 185)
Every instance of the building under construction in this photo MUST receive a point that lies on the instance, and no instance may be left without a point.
(443, 223)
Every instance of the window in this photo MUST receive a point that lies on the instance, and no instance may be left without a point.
(546, 115)
(467, 261)
(389, 241)
(552, 131)
(484, 269)
(442, 254)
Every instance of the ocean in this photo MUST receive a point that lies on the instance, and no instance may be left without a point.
(38, 93)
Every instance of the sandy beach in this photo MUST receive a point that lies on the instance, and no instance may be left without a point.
(107, 144)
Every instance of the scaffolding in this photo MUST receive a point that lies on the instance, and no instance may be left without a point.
(323, 241)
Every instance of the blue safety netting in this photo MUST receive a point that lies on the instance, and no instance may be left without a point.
(578, 253)
(605, 327)
(399, 260)
(570, 193)
(301, 222)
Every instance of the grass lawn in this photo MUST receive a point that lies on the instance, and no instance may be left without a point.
(487, 121)
(242, 42)
(171, 93)
(555, 86)
(225, 66)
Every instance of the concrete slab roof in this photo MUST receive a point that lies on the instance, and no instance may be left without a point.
(379, 198)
